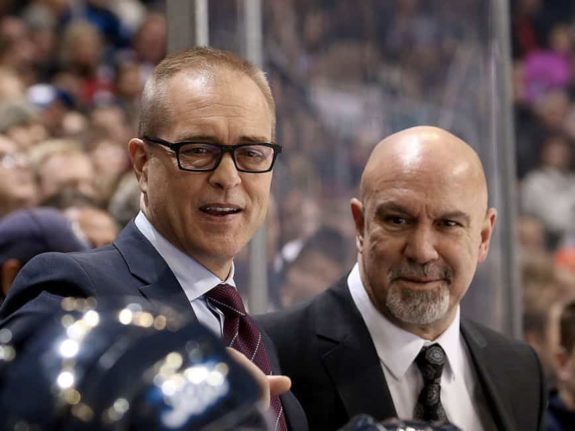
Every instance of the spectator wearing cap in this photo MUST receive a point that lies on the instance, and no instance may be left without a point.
(26, 233)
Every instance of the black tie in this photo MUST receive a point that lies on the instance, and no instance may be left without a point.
(430, 362)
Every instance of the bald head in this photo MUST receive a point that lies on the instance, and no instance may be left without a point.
(422, 227)
(430, 152)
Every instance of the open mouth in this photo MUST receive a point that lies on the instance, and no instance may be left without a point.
(220, 210)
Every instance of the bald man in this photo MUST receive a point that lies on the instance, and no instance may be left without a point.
(422, 226)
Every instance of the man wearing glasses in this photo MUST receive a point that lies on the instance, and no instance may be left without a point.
(204, 160)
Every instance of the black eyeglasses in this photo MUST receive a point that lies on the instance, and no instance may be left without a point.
(204, 156)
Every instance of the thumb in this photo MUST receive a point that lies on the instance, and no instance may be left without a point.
(279, 385)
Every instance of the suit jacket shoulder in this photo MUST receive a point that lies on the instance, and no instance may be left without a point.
(510, 375)
(128, 267)
(325, 348)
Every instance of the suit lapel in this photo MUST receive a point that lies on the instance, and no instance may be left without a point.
(159, 285)
(485, 367)
(350, 358)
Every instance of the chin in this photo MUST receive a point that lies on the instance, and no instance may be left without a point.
(418, 307)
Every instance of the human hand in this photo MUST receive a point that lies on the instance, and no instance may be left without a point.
(271, 386)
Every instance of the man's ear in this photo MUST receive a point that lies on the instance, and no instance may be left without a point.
(486, 232)
(359, 220)
(139, 157)
(9, 270)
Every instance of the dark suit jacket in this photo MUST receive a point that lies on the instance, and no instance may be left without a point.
(129, 267)
(326, 349)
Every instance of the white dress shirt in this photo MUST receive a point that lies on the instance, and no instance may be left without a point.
(397, 350)
(194, 278)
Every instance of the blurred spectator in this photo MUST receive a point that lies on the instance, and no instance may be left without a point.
(20, 122)
(561, 409)
(82, 62)
(97, 226)
(544, 289)
(128, 85)
(17, 187)
(11, 86)
(317, 266)
(94, 225)
(532, 237)
(62, 164)
(125, 202)
(112, 119)
(548, 192)
(16, 48)
(26, 233)
(111, 162)
(148, 46)
(56, 108)
(534, 123)
(526, 29)
(549, 69)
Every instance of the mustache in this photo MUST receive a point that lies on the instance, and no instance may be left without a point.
(417, 271)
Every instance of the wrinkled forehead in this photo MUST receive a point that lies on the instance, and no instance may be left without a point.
(442, 184)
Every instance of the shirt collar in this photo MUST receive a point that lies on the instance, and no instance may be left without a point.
(194, 278)
(397, 348)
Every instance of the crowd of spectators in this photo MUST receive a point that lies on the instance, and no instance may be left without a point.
(345, 74)
(71, 73)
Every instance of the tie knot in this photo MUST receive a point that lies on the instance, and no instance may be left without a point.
(430, 362)
(227, 299)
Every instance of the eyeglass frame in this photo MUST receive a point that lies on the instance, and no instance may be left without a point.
(231, 149)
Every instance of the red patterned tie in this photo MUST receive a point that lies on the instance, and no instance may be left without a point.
(241, 333)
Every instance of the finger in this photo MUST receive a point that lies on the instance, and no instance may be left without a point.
(259, 376)
(279, 385)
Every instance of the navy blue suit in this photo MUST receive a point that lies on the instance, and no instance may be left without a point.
(128, 267)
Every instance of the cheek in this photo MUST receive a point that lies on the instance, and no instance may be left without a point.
(380, 247)
(258, 193)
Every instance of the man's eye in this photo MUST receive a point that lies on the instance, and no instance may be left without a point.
(449, 223)
(251, 153)
(396, 220)
(196, 151)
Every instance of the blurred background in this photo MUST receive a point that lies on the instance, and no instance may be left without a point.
(344, 74)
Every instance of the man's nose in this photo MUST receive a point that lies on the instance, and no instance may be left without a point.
(225, 175)
(421, 245)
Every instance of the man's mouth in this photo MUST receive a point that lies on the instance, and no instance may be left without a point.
(420, 280)
(220, 210)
